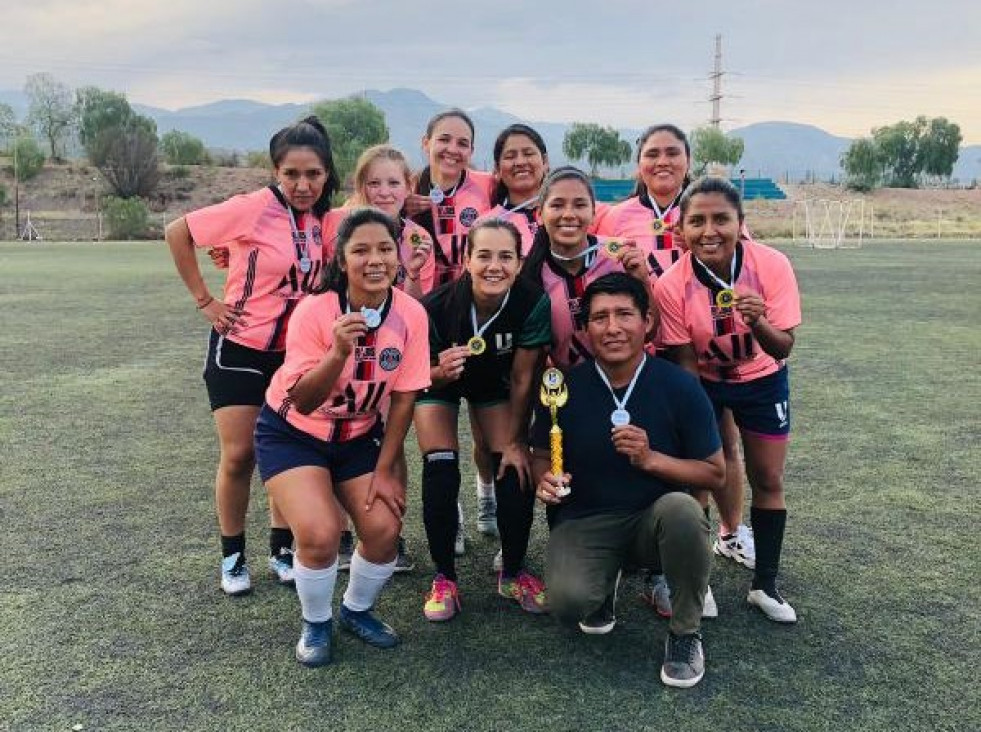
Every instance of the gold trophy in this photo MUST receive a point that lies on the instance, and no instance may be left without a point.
(555, 394)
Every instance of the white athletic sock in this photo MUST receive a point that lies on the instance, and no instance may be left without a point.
(315, 588)
(366, 582)
(484, 490)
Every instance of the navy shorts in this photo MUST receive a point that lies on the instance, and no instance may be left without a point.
(761, 406)
(237, 375)
(279, 446)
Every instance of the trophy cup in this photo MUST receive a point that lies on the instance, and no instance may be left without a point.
(555, 394)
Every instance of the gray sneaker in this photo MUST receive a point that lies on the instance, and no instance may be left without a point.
(684, 660)
(658, 596)
(487, 516)
(345, 551)
(603, 620)
(403, 561)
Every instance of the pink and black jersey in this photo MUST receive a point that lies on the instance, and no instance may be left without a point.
(724, 344)
(412, 236)
(265, 270)
(449, 221)
(565, 291)
(392, 357)
(525, 220)
(636, 219)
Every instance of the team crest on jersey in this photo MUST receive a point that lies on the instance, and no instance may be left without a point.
(468, 216)
(504, 343)
(364, 353)
(318, 237)
(390, 359)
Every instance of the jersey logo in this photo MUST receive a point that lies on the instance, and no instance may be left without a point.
(781, 408)
(318, 238)
(504, 342)
(390, 359)
(364, 353)
(468, 216)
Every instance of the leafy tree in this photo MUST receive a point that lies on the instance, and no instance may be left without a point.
(50, 111)
(940, 147)
(353, 125)
(862, 162)
(8, 125)
(131, 167)
(100, 114)
(183, 148)
(596, 145)
(712, 145)
(126, 218)
(899, 144)
(28, 155)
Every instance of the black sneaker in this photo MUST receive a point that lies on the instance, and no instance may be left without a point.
(684, 660)
(345, 551)
(403, 562)
(367, 627)
(603, 620)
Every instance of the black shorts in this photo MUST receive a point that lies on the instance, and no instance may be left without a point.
(237, 375)
(451, 394)
(279, 446)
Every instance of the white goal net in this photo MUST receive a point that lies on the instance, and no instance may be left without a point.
(832, 224)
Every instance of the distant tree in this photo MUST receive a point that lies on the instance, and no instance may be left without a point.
(8, 125)
(862, 162)
(712, 145)
(595, 144)
(101, 113)
(353, 125)
(257, 159)
(898, 145)
(940, 147)
(131, 166)
(183, 148)
(50, 111)
(126, 218)
(27, 155)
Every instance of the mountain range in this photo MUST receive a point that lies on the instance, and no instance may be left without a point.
(780, 150)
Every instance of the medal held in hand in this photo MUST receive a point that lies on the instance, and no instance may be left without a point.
(555, 394)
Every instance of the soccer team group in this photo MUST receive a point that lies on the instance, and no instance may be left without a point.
(621, 364)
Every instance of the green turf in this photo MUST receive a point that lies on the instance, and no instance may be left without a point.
(110, 616)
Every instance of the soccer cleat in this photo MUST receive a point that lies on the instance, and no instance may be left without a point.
(314, 647)
(603, 620)
(773, 606)
(367, 627)
(487, 515)
(498, 563)
(684, 660)
(525, 589)
(403, 561)
(345, 551)
(281, 566)
(658, 596)
(739, 547)
(443, 601)
(235, 579)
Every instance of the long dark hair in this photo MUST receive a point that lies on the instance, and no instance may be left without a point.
(334, 277)
(308, 132)
(675, 132)
(500, 190)
(712, 184)
(542, 244)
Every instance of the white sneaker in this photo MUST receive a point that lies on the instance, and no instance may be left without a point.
(235, 579)
(460, 545)
(499, 560)
(739, 547)
(281, 566)
(709, 609)
(775, 608)
(658, 596)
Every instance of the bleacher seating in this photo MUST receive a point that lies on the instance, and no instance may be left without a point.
(612, 190)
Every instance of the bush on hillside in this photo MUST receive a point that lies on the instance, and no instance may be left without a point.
(126, 218)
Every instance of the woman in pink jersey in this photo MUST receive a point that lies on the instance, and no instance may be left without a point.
(565, 258)
(520, 167)
(355, 345)
(729, 308)
(275, 241)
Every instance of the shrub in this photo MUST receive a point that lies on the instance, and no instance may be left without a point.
(126, 218)
(30, 157)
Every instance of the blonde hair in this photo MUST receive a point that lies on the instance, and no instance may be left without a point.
(374, 154)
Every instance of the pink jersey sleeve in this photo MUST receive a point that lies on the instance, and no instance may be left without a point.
(228, 221)
(669, 295)
(413, 374)
(781, 295)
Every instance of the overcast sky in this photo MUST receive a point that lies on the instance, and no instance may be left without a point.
(845, 66)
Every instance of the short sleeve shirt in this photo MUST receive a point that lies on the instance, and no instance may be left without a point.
(667, 402)
(524, 322)
(725, 345)
(265, 278)
(394, 357)
(636, 219)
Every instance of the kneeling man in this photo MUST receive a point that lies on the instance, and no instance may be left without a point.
(637, 432)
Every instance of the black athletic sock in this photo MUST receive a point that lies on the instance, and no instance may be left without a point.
(279, 539)
(768, 528)
(440, 491)
(232, 544)
(515, 514)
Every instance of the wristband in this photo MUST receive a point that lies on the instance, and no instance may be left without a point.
(206, 303)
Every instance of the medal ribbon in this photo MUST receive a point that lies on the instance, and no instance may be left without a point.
(622, 403)
(508, 212)
(479, 332)
(589, 253)
(721, 282)
(302, 250)
(380, 309)
(657, 209)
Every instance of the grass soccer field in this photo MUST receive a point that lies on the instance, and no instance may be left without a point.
(111, 617)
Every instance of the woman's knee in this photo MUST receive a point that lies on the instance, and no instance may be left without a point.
(316, 544)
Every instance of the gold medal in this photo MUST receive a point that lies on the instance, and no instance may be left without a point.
(657, 226)
(613, 249)
(477, 345)
(415, 240)
(725, 298)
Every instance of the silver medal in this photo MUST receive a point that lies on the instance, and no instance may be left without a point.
(436, 195)
(620, 417)
(305, 264)
(372, 317)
